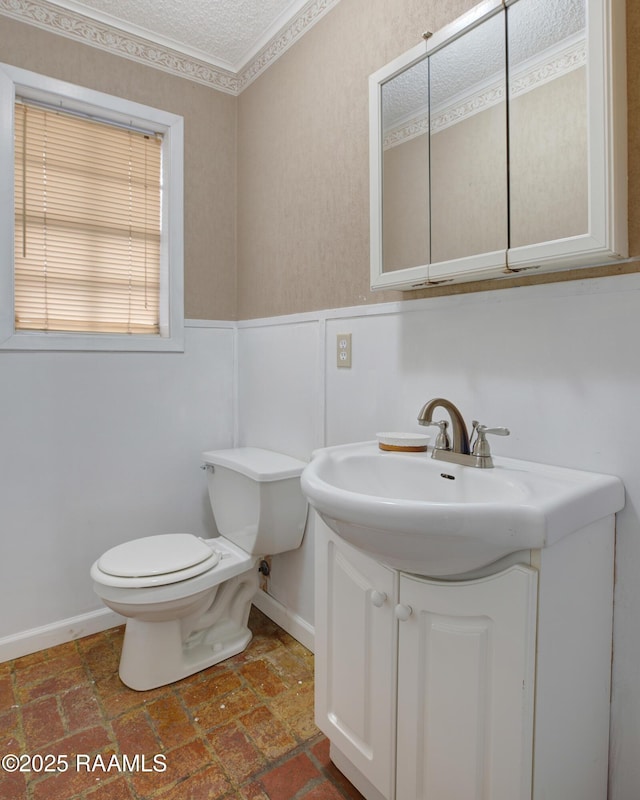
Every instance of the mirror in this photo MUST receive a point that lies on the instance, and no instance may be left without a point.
(405, 168)
(548, 152)
(499, 145)
(442, 178)
(468, 143)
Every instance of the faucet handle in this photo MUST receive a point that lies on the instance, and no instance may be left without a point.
(481, 446)
(496, 431)
(443, 442)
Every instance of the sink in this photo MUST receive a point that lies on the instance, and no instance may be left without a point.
(435, 518)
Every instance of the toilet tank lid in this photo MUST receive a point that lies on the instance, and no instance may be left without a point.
(256, 463)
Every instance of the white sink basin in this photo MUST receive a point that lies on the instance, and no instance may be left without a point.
(431, 517)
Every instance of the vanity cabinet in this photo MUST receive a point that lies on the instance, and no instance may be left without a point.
(492, 687)
(498, 145)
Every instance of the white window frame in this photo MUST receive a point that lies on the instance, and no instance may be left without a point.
(77, 99)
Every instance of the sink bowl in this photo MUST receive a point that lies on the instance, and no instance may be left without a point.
(435, 518)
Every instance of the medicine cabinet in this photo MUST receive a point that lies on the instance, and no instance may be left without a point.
(498, 145)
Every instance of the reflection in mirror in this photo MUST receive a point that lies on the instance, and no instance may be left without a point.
(469, 144)
(547, 120)
(405, 169)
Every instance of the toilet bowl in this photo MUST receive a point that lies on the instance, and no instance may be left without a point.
(187, 599)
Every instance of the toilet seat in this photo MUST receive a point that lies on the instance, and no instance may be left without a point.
(155, 561)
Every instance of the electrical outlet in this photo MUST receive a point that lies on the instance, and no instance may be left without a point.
(343, 350)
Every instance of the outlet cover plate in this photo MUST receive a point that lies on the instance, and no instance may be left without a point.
(343, 350)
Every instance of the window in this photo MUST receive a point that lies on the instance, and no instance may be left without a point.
(87, 224)
(91, 257)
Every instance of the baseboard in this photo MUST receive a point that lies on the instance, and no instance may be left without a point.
(293, 624)
(66, 630)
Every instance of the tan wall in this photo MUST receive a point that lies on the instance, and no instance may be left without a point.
(469, 186)
(633, 123)
(303, 158)
(548, 195)
(405, 200)
(303, 169)
(299, 135)
(210, 149)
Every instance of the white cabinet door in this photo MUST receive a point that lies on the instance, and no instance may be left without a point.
(355, 664)
(466, 687)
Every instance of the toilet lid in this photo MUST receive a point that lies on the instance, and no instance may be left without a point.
(155, 555)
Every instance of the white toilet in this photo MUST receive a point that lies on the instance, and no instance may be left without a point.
(188, 599)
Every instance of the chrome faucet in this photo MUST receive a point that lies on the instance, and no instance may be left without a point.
(459, 429)
(459, 450)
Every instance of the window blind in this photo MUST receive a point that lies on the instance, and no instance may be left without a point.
(87, 224)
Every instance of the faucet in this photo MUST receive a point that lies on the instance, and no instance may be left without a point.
(459, 450)
(459, 429)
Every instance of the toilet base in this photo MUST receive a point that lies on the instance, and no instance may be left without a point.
(160, 652)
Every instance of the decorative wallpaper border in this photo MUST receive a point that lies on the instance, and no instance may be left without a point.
(89, 31)
(534, 74)
(468, 107)
(403, 133)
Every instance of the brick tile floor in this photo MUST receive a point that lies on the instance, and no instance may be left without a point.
(242, 729)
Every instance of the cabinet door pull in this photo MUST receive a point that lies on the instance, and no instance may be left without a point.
(378, 599)
(403, 612)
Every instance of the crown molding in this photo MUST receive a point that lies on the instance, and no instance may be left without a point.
(156, 53)
(302, 22)
(545, 67)
(570, 54)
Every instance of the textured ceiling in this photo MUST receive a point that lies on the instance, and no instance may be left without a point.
(225, 33)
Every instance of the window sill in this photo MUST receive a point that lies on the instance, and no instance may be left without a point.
(93, 342)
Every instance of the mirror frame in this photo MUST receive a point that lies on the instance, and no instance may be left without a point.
(379, 278)
(606, 240)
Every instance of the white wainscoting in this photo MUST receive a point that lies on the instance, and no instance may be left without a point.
(98, 448)
(559, 364)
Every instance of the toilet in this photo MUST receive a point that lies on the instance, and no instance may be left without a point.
(187, 599)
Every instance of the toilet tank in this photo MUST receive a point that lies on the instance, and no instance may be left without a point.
(256, 498)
